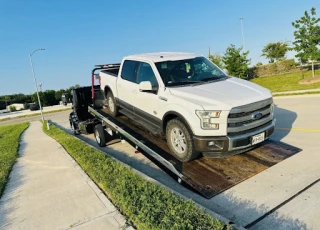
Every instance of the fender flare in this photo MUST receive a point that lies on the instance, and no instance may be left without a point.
(180, 116)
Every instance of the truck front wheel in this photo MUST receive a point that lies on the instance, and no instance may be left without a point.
(180, 141)
(112, 104)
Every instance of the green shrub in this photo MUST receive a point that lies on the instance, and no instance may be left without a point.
(12, 108)
(147, 206)
(9, 143)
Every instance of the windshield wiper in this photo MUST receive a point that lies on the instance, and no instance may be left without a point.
(212, 79)
(182, 83)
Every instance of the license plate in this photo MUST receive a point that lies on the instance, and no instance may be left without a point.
(257, 138)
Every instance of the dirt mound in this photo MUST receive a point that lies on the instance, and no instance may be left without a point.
(309, 80)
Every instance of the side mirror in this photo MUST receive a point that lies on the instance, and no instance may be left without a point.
(145, 86)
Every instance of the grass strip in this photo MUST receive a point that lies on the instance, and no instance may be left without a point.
(34, 114)
(146, 205)
(287, 82)
(9, 146)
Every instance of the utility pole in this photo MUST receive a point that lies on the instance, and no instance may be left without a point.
(244, 48)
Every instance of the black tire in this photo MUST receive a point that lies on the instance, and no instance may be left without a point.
(114, 110)
(99, 135)
(74, 128)
(187, 150)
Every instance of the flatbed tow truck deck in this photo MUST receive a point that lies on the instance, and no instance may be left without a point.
(207, 176)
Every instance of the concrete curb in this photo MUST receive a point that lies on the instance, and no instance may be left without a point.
(297, 91)
(206, 210)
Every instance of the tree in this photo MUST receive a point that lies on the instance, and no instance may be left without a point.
(59, 94)
(216, 59)
(307, 37)
(49, 98)
(235, 62)
(275, 51)
(259, 64)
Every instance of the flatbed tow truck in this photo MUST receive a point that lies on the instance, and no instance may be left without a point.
(206, 176)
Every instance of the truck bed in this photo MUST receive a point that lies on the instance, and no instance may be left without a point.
(210, 176)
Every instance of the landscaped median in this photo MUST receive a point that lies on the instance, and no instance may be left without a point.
(146, 205)
(9, 147)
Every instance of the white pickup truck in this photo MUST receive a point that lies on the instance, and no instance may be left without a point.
(186, 97)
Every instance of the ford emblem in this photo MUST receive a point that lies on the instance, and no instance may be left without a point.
(256, 115)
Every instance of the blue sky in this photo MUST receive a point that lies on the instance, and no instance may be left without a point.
(79, 34)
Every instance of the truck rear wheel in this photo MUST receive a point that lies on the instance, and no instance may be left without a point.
(113, 108)
(99, 135)
(180, 141)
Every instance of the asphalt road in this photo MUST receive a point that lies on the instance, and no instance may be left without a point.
(285, 196)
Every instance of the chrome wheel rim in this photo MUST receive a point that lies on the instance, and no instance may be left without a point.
(178, 140)
(111, 104)
(97, 137)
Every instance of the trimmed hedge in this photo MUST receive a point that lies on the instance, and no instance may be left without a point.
(9, 146)
(146, 205)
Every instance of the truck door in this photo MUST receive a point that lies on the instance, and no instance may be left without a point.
(126, 85)
(146, 103)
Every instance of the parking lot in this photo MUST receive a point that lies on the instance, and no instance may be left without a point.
(285, 196)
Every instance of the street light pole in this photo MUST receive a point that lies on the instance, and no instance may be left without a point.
(40, 85)
(35, 81)
(244, 48)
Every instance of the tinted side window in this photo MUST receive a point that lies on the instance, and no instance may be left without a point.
(129, 70)
(145, 73)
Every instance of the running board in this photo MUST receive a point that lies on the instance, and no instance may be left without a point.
(153, 129)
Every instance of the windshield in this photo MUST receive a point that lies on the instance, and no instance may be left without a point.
(189, 71)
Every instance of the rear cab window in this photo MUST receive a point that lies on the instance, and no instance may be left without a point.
(129, 70)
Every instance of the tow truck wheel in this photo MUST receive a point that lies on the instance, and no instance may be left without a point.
(179, 140)
(99, 135)
(113, 108)
(73, 128)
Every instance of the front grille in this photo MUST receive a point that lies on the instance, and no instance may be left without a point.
(237, 124)
(236, 115)
(249, 130)
(241, 120)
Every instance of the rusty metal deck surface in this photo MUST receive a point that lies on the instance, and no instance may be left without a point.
(211, 176)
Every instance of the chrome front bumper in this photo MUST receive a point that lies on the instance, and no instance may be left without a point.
(231, 145)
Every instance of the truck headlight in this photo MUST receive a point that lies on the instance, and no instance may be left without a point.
(207, 119)
(272, 110)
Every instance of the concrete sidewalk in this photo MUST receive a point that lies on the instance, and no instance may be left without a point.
(48, 190)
